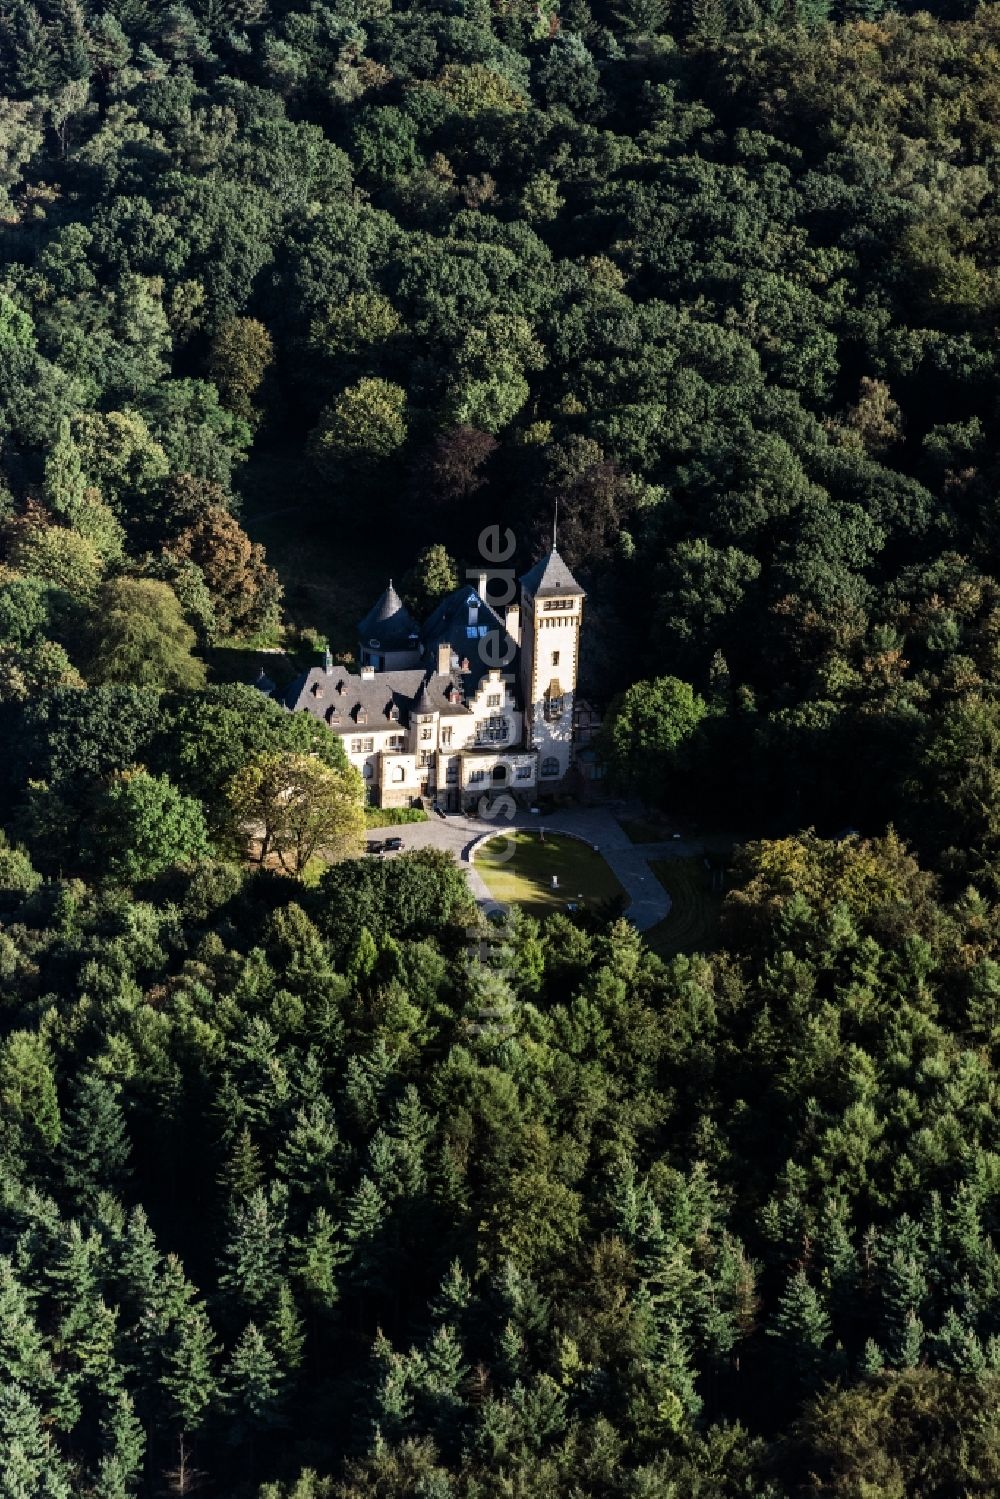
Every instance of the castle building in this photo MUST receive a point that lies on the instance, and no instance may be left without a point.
(476, 700)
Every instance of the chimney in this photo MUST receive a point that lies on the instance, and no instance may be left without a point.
(444, 659)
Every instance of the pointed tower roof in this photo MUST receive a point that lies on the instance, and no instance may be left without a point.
(423, 703)
(388, 622)
(550, 577)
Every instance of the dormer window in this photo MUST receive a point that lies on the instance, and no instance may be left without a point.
(361, 716)
(316, 689)
(341, 687)
(332, 715)
(393, 713)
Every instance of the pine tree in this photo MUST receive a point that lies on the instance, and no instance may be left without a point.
(253, 1253)
(243, 1173)
(364, 1226)
(625, 1201)
(31, 1466)
(838, 1262)
(413, 1128)
(904, 1293)
(674, 1373)
(92, 1342)
(94, 1146)
(392, 1393)
(252, 1384)
(316, 1258)
(124, 1443)
(308, 1159)
(728, 1307)
(444, 1374)
(69, 37)
(138, 1263)
(29, 57)
(365, 1080)
(956, 1346)
(188, 1382)
(72, 1276)
(911, 1343)
(800, 1328)
(964, 1230)
(285, 1334)
(24, 1359)
(453, 1299)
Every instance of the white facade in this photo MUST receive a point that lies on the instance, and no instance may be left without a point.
(449, 725)
(549, 668)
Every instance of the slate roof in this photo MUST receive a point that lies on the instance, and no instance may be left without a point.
(450, 624)
(389, 623)
(350, 697)
(462, 621)
(550, 577)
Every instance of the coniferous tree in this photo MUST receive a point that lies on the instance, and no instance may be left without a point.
(29, 1461)
(364, 1227)
(800, 1329)
(253, 1254)
(124, 1443)
(285, 1334)
(94, 1145)
(188, 1381)
(252, 1385)
(24, 1358)
(316, 1258)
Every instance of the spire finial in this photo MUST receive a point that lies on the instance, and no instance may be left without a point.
(555, 523)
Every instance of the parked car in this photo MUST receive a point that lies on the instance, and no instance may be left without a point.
(392, 844)
(374, 846)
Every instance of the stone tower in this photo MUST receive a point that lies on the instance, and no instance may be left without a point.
(551, 617)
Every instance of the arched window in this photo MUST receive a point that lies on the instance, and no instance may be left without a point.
(398, 773)
(499, 772)
(366, 770)
(550, 766)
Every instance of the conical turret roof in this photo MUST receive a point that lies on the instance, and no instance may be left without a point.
(388, 623)
(423, 703)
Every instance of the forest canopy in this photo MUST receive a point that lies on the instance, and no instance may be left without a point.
(306, 1193)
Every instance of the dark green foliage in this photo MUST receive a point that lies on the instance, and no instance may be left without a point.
(303, 1191)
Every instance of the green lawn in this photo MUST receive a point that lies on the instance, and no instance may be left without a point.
(525, 878)
(693, 923)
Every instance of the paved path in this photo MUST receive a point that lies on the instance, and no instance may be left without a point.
(648, 903)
